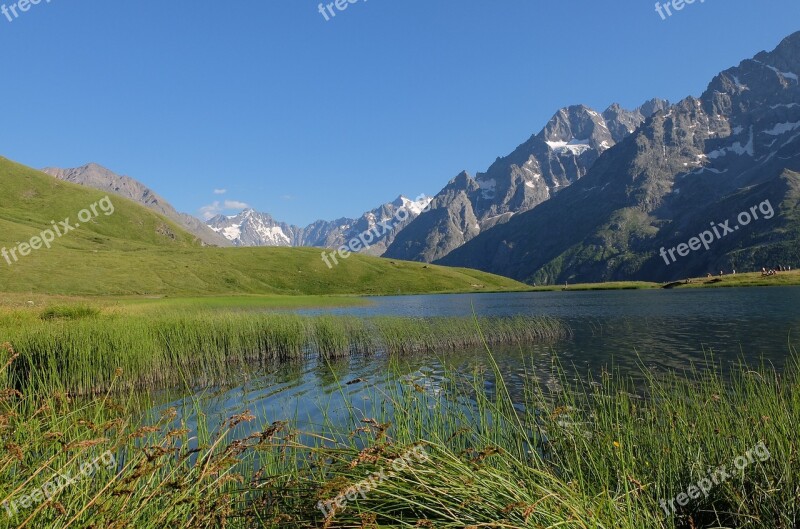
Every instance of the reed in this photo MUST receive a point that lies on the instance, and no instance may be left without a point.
(81, 351)
(67, 463)
(595, 452)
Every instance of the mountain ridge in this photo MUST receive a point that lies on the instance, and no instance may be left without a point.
(557, 156)
(98, 177)
(687, 166)
(252, 228)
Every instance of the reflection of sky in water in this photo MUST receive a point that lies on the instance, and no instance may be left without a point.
(667, 328)
(656, 330)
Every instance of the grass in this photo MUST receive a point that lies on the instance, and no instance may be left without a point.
(244, 302)
(611, 285)
(233, 271)
(69, 312)
(135, 252)
(25, 305)
(592, 454)
(752, 279)
(79, 349)
(755, 279)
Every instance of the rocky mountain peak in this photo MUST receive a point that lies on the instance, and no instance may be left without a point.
(648, 108)
(574, 122)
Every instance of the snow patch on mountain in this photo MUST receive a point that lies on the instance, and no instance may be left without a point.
(574, 146)
(782, 128)
(736, 148)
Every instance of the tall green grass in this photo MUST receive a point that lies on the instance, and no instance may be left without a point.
(592, 454)
(162, 474)
(81, 352)
(589, 452)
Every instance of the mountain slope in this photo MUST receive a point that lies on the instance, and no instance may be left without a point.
(702, 161)
(135, 251)
(31, 200)
(559, 155)
(98, 177)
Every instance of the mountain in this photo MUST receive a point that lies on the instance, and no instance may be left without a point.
(559, 155)
(125, 248)
(251, 228)
(98, 177)
(702, 167)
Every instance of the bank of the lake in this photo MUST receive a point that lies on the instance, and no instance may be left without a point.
(79, 348)
(726, 280)
(595, 454)
(511, 438)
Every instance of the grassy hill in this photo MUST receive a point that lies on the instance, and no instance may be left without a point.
(134, 251)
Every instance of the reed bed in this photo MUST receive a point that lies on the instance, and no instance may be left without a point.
(80, 351)
(146, 476)
(593, 455)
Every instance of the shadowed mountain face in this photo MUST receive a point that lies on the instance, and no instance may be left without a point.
(548, 162)
(98, 177)
(687, 170)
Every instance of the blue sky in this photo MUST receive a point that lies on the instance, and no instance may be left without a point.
(308, 119)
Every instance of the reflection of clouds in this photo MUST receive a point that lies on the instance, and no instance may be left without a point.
(425, 379)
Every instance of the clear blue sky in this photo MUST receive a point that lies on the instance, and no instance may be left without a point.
(309, 119)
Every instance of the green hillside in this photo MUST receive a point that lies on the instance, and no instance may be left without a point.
(134, 251)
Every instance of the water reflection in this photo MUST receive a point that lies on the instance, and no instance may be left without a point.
(627, 330)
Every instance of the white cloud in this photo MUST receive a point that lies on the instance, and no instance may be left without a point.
(217, 208)
(210, 210)
(220, 191)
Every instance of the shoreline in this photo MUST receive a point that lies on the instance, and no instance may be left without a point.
(16, 301)
(745, 280)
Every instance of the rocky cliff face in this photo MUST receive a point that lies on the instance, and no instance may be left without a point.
(548, 162)
(689, 167)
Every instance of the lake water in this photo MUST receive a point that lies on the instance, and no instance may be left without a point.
(654, 330)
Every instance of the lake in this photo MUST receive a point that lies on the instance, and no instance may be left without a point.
(632, 330)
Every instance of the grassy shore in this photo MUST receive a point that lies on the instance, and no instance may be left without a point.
(756, 279)
(79, 348)
(35, 303)
(591, 455)
(610, 285)
(753, 279)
